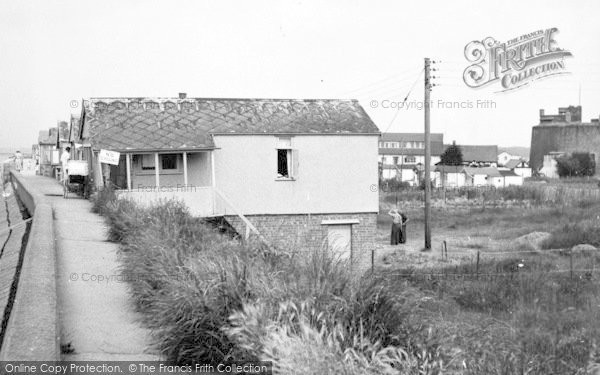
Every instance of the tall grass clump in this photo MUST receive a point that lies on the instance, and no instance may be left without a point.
(208, 298)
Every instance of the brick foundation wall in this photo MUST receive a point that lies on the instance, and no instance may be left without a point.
(303, 232)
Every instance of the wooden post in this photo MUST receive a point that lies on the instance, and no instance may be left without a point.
(185, 170)
(213, 182)
(101, 172)
(477, 266)
(156, 177)
(128, 162)
(571, 263)
(427, 159)
(372, 261)
(212, 169)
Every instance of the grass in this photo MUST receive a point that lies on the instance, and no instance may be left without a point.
(536, 194)
(208, 298)
(542, 322)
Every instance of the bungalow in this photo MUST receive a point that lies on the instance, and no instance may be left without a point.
(483, 176)
(479, 155)
(510, 178)
(266, 166)
(519, 167)
(459, 176)
(449, 176)
(48, 152)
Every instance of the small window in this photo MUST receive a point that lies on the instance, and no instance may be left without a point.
(283, 163)
(395, 160)
(169, 161)
(410, 159)
(147, 162)
(287, 159)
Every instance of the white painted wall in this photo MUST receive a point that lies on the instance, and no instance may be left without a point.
(513, 180)
(450, 179)
(337, 174)
(523, 172)
(389, 159)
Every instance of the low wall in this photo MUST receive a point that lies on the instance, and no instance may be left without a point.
(32, 332)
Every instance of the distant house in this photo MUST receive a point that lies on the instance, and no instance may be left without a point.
(267, 166)
(76, 148)
(510, 178)
(48, 151)
(479, 155)
(450, 176)
(504, 158)
(402, 155)
(458, 176)
(483, 176)
(519, 167)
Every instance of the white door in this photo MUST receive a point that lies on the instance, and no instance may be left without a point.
(339, 239)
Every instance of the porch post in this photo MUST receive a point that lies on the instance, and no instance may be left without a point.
(128, 162)
(156, 178)
(212, 169)
(212, 180)
(185, 171)
(100, 174)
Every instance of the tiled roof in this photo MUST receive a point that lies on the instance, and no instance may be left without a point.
(479, 153)
(449, 168)
(488, 171)
(505, 173)
(410, 137)
(74, 128)
(511, 164)
(124, 124)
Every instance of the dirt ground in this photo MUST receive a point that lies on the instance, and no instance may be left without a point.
(492, 232)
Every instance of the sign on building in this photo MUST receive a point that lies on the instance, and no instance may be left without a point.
(109, 157)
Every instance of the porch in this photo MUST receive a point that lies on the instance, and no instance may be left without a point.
(149, 177)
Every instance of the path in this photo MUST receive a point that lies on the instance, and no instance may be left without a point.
(96, 315)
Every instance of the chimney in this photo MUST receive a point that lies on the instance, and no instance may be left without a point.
(568, 116)
(182, 95)
(541, 113)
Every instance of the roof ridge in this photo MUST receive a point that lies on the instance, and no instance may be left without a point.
(216, 98)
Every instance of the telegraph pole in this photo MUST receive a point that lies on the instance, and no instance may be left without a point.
(427, 158)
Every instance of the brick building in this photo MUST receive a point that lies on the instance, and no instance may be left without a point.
(563, 133)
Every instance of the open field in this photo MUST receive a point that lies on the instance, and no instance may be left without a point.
(519, 303)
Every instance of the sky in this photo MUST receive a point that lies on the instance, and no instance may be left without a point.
(53, 53)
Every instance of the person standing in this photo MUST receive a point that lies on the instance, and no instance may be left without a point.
(403, 231)
(64, 161)
(396, 237)
(18, 161)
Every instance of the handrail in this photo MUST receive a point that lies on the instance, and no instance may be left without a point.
(249, 225)
(32, 332)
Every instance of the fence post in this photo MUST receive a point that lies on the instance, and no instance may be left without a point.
(372, 261)
(477, 266)
(571, 263)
